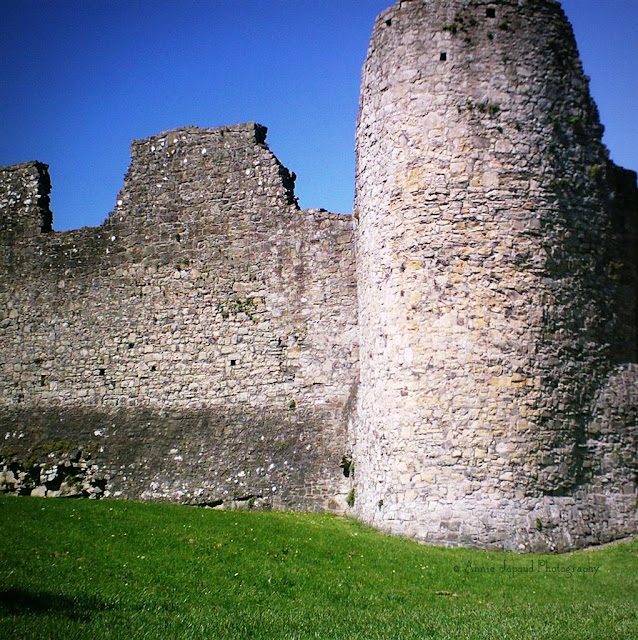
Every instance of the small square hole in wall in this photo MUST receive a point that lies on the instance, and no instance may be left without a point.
(443, 56)
(102, 372)
(233, 363)
(388, 22)
(490, 12)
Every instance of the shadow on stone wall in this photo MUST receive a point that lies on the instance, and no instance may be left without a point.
(213, 458)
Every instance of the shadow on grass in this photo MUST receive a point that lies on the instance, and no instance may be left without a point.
(42, 603)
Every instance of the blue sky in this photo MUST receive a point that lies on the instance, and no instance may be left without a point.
(82, 78)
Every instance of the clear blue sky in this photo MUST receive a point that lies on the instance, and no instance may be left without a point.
(81, 78)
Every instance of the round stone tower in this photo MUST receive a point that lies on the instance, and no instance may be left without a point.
(494, 245)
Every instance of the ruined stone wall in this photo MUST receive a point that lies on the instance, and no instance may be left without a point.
(24, 203)
(497, 285)
(200, 345)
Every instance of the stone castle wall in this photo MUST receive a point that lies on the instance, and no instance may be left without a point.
(201, 343)
(497, 285)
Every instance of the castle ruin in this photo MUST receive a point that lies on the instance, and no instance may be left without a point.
(457, 362)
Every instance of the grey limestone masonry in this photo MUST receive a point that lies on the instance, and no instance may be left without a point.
(456, 362)
(496, 261)
(200, 345)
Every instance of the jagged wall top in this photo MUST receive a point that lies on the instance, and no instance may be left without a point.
(24, 201)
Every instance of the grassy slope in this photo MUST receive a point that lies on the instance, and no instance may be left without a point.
(82, 569)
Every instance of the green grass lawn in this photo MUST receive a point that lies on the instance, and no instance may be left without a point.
(89, 569)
